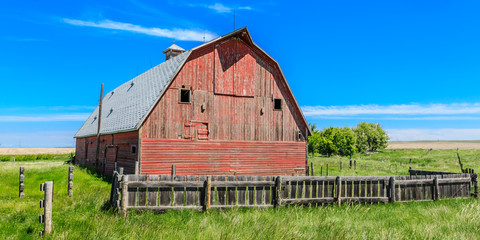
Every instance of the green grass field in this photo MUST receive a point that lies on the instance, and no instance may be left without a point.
(86, 215)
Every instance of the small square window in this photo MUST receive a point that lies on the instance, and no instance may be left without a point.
(277, 104)
(184, 95)
(133, 149)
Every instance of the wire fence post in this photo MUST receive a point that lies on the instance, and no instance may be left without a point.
(21, 186)
(46, 204)
(70, 181)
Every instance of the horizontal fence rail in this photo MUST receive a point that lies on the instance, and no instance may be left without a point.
(424, 172)
(165, 192)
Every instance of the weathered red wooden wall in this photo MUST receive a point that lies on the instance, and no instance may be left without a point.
(233, 102)
(222, 157)
(111, 146)
(236, 85)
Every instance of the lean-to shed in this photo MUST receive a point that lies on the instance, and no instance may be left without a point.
(223, 107)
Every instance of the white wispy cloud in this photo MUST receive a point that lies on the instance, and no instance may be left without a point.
(433, 134)
(175, 33)
(46, 118)
(222, 8)
(401, 109)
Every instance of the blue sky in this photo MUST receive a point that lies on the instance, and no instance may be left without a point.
(412, 66)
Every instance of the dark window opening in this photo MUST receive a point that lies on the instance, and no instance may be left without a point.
(134, 149)
(184, 95)
(277, 104)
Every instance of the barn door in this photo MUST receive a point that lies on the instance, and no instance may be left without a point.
(110, 159)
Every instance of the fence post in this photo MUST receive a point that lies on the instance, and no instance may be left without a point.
(321, 171)
(46, 204)
(392, 190)
(208, 193)
(21, 186)
(354, 164)
(339, 190)
(350, 164)
(475, 185)
(124, 196)
(327, 170)
(278, 186)
(307, 170)
(174, 171)
(436, 191)
(312, 169)
(341, 166)
(70, 181)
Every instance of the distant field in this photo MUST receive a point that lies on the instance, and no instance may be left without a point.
(30, 151)
(434, 144)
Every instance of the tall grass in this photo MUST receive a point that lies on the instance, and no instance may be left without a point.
(86, 215)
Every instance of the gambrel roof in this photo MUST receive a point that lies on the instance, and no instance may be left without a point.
(125, 108)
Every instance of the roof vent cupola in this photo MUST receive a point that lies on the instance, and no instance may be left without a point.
(173, 51)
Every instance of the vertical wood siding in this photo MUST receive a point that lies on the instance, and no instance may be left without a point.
(233, 88)
(222, 157)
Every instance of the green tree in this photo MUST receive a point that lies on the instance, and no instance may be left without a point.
(345, 140)
(370, 137)
(327, 144)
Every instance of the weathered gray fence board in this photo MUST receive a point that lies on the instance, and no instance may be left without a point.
(191, 192)
(132, 191)
(308, 189)
(285, 189)
(375, 188)
(268, 190)
(259, 191)
(241, 191)
(152, 191)
(142, 192)
(251, 191)
(231, 191)
(293, 189)
(165, 193)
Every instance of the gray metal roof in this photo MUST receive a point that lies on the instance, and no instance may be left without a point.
(125, 108)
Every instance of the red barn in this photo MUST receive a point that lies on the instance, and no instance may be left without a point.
(223, 107)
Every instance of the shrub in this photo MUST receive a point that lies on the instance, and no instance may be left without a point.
(5, 158)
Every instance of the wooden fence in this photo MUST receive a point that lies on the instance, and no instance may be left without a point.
(164, 192)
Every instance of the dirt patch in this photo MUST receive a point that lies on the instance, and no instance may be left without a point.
(31, 151)
(435, 145)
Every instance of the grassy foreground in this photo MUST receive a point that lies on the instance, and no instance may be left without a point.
(85, 215)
